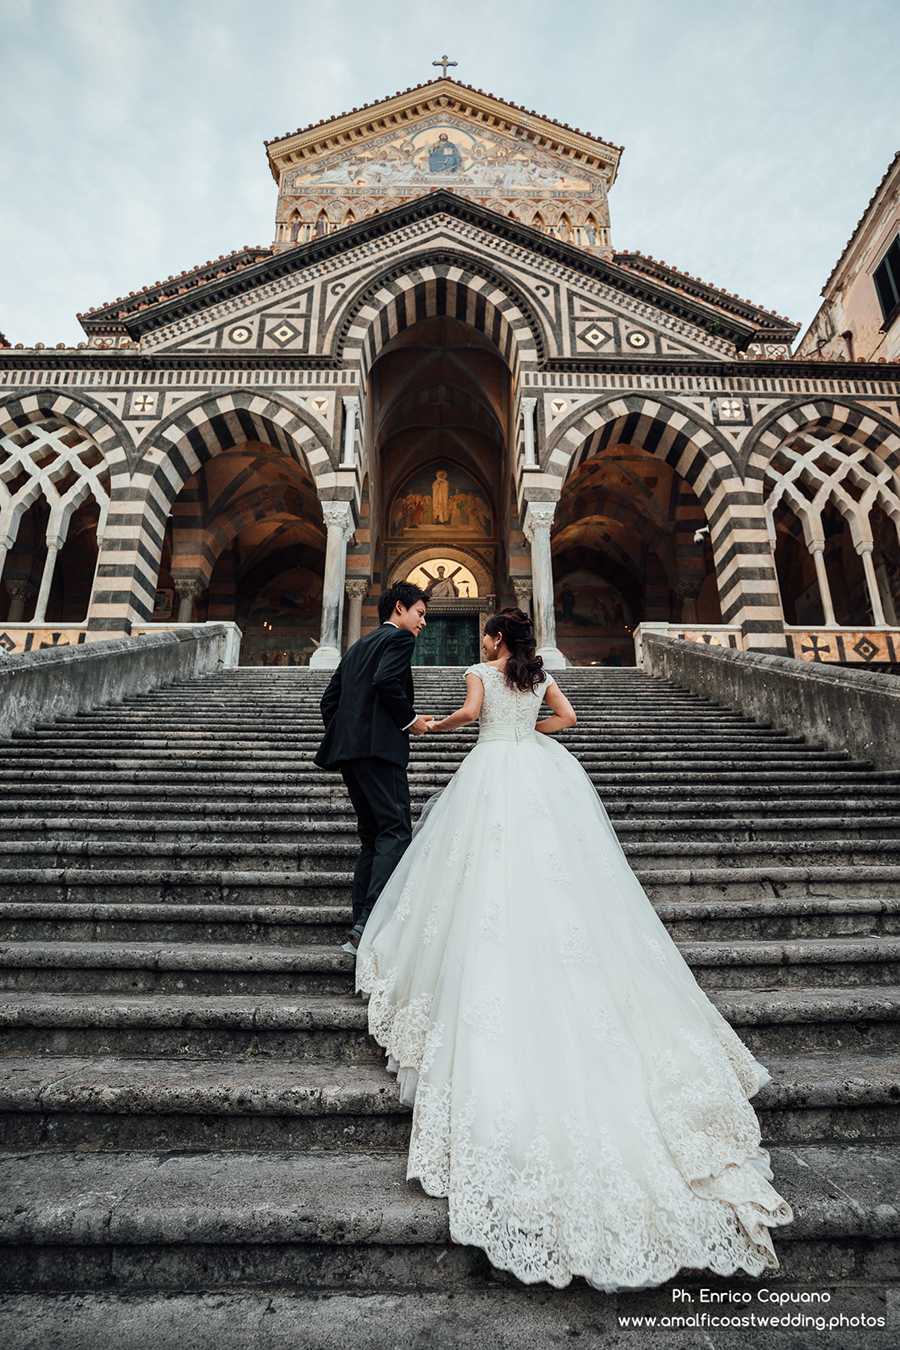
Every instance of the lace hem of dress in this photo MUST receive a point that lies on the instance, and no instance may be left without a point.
(701, 1199)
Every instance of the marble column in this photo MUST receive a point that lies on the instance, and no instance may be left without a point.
(40, 607)
(687, 592)
(523, 589)
(339, 520)
(817, 549)
(188, 590)
(356, 590)
(865, 552)
(351, 412)
(19, 592)
(528, 407)
(538, 519)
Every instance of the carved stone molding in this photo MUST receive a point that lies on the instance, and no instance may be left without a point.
(356, 590)
(539, 516)
(339, 514)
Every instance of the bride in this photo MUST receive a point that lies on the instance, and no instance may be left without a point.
(576, 1096)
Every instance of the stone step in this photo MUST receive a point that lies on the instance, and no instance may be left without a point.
(775, 1021)
(24, 920)
(186, 886)
(332, 1028)
(331, 821)
(761, 882)
(291, 746)
(193, 886)
(321, 1028)
(797, 963)
(176, 968)
(180, 1221)
(55, 1104)
(231, 968)
(127, 809)
(300, 854)
(661, 774)
(334, 852)
(771, 919)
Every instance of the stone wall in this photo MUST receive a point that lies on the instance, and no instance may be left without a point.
(57, 682)
(857, 711)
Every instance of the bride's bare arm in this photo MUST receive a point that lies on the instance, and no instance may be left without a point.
(560, 707)
(469, 710)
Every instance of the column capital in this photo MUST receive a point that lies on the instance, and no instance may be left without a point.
(528, 404)
(356, 589)
(538, 516)
(865, 546)
(339, 514)
(523, 589)
(688, 588)
(189, 588)
(350, 402)
(19, 590)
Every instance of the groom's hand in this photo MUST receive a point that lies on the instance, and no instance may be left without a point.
(419, 726)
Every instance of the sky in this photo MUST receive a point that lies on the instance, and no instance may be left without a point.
(131, 140)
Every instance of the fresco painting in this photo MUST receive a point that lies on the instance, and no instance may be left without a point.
(444, 152)
(444, 579)
(441, 500)
(594, 623)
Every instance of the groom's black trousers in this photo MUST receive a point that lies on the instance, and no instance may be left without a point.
(379, 792)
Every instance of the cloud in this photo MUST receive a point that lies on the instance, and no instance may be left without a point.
(754, 134)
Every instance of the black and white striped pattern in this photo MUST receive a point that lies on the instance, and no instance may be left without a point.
(430, 290)
(128, 565)
(745, 569)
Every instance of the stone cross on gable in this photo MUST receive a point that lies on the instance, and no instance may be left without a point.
(445, 63)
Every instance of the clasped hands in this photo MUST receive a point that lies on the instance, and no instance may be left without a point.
(423, 724)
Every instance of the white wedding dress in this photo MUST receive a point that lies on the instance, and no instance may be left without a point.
(576, 1096)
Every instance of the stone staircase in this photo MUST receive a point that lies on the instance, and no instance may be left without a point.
(189, 1100)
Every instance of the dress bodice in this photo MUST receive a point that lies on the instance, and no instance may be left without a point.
(515, 709)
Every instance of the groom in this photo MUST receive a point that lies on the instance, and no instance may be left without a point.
(368, 711)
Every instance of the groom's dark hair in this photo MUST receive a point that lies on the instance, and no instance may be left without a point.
(404, 591)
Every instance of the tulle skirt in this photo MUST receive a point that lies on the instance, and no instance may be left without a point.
(577, 1097)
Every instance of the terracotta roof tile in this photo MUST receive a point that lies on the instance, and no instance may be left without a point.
(622, 256)
(301, 131)
(177, 285)
(859, 223)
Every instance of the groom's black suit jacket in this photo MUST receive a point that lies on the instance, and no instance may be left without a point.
(370, 700)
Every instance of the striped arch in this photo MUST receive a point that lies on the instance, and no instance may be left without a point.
(829, 416)
(745, 568)
(442, 285)
(104, 428)
(129, 558)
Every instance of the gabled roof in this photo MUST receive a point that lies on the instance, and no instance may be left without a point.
(386, 114)
(862, 221)
(109, 315)
(736, 320)
(684, 284)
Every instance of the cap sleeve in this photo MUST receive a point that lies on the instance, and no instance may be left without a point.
(475, 670)
(548, 679)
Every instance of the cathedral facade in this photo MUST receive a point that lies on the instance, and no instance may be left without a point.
(443, 369)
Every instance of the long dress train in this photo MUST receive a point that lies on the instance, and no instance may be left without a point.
(576, 1095)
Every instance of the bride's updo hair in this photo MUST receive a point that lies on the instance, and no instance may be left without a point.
(524, 669)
